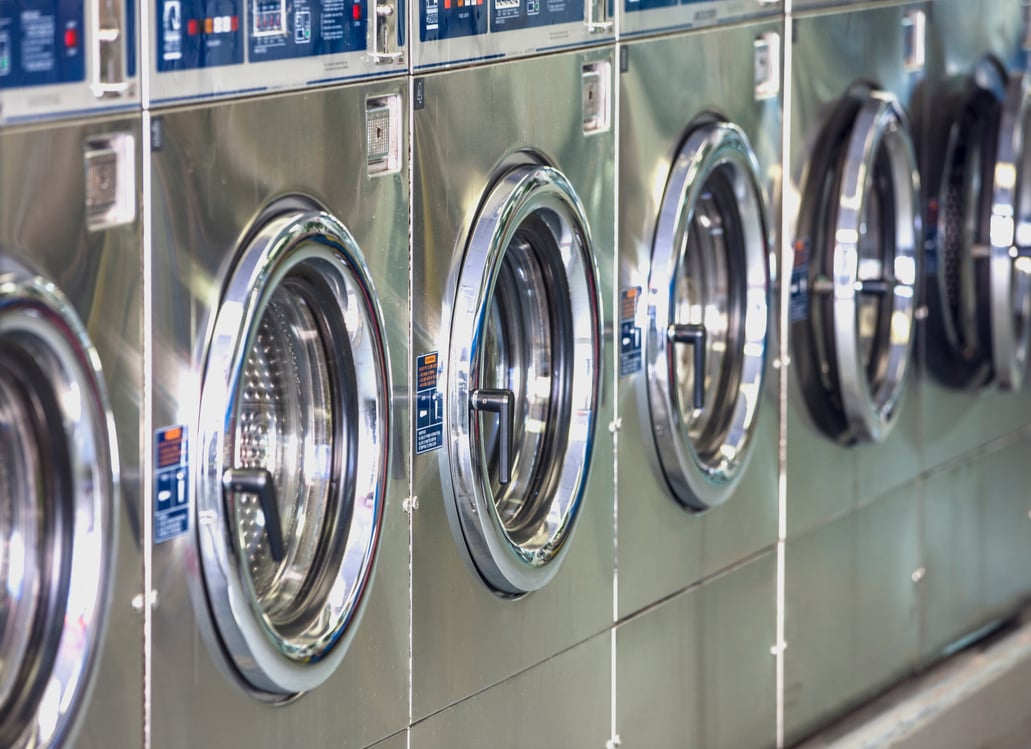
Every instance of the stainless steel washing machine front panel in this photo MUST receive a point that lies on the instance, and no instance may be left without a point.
(468, 629)
(831, 53)
(217, 170)
(959, 37)
(663, 545)
(70, 332)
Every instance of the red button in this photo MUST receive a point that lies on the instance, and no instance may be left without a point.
(356, 11)
(71, 38)
(235, 23)
(192, 27)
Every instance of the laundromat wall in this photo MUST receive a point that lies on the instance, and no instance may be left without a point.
(795, 239)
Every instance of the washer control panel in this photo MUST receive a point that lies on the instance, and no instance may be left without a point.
(648, 16)
(59, 58)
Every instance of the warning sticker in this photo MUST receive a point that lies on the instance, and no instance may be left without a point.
(429, 405)
(171, 484)
(629, 332)
(798, 304)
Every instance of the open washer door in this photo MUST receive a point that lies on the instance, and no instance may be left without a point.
(858, 233)
(58, 509)
(977, 308)
(708, 315)
(523, 377)
(295, 418)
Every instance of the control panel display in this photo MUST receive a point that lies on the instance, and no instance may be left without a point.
(209, 33)
(41, 42)
(449, 19)
(703, 15)
(523, 14)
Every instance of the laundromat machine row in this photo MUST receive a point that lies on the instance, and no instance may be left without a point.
(505, 373)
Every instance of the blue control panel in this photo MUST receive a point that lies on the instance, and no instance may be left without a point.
(523, 14)
(209, 33)
(41, 42)
(449, 19)
(703, 16)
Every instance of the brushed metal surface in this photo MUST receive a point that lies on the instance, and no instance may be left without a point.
(563, 702)
(951, 592)
(43, 225)
(397, 741)
(851, 606)
(662, 547)
(1005, 526)
(697, 670)
(832, 51)
(216, 167)
(958, 34)
(464, 637)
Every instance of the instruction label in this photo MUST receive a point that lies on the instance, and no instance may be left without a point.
(171, 484)
(798, 304)
(429, 405)
(629, 332)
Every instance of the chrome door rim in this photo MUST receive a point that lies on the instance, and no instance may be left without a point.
(35, 313)
(695, 481)
(1010, 239)
(286, 244)
(510, 568)
(879, 123)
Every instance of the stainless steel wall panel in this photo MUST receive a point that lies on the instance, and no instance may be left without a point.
(697, 670)
(563, 702)
(464, 637)
(663, 547)
(215, 168)
(851, 606)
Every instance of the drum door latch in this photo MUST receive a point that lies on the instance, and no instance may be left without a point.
(914, 40)
(767, 65)
(110, 172)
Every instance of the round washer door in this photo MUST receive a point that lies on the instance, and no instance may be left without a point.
(59, 484)
(709, 313)
(1010, 239)
(294, 417)
(861, 213)
(523, 377)
(959, 174)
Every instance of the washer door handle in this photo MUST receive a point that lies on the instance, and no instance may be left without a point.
(693, 334)
(876, 286)
(502, 403)
(259, 482)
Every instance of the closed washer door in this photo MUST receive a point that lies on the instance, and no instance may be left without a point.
(295, 422)
(523, 379)
(59, 484)
(708, 315)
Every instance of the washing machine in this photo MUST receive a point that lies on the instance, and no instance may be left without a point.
(698, 440)
(853, 239)
(975, 337)
(71, 367)
(512, 267)
(278, 326)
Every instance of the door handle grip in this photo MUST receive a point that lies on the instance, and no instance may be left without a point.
(259, 482)
(694, 335)
(876, 286)
(502, 403)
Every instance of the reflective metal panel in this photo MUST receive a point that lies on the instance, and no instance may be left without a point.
(215, 170)
(464, 636)
(564, 701)
(43, 227)
(831, 53)
(698, 669)
(662, 547)
(851, 610)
